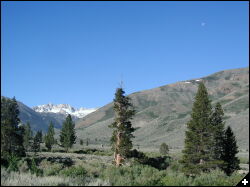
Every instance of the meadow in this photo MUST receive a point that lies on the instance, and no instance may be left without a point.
(92, 166)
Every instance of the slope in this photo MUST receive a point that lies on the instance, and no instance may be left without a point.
(162, 113)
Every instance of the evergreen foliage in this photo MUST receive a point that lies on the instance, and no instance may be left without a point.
(197, 154)
(27, 137)
(36, 142)
(49, 137)
(230, 149)
(122, 126)
(11, 133)
(218, 133)
(164, 149)
(40, 136)
(67, 136)
(81, 142)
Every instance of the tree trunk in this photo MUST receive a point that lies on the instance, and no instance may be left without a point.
(118, 158)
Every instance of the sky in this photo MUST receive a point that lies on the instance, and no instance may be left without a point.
(77, 53)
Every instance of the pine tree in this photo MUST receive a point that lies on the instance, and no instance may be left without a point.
(40, 136)
(11, 132)
(27, 137)
(49, 137)
(81, 142)
(197, 155)
(218, 133)
(230, 149)
(164, 149)
(122, 133)
(67, 136)
(36, 142)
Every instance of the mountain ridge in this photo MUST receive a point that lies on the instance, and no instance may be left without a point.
(39, 120)
(63, 109)
(162, 112)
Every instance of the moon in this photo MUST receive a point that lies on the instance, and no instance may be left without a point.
(203, 24)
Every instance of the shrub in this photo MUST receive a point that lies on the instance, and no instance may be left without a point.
(12, 160)
(133, 175)
(156, 162)
(164, 149)
(94, 151)
(213, 178)
(160, 163)
(175, 166)
(175, 179)
(75, 171)
(94, 169)
(216, 178)
(49, 168)
(34, 169)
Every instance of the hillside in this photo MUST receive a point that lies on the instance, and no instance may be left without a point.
(162, 113)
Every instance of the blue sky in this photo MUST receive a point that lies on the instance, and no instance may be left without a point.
(77, 52)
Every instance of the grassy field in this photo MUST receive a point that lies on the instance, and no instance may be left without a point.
(93, 167)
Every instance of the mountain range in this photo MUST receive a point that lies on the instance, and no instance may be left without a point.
(63, 109)
(162, 113)
(40, 116)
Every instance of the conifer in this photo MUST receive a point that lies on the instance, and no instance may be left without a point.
(67, 136)
(36, 142)
(218, 126)
(197, 155)
(49, 139)
(122, 127)
(27, 137)
(230, 149)
(11, 130)
(164, 149)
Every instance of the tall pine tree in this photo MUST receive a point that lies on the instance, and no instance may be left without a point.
(36, 142)
(27, 137)
(230, 149)
(67, 136)
(40, 136)
(11, 132)
(49, 137)
(218, 133)
(197, 155)
(122, 127)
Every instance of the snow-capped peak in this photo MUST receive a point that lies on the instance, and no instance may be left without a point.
(64, 109)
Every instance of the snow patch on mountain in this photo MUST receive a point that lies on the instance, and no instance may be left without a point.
(64, 109)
